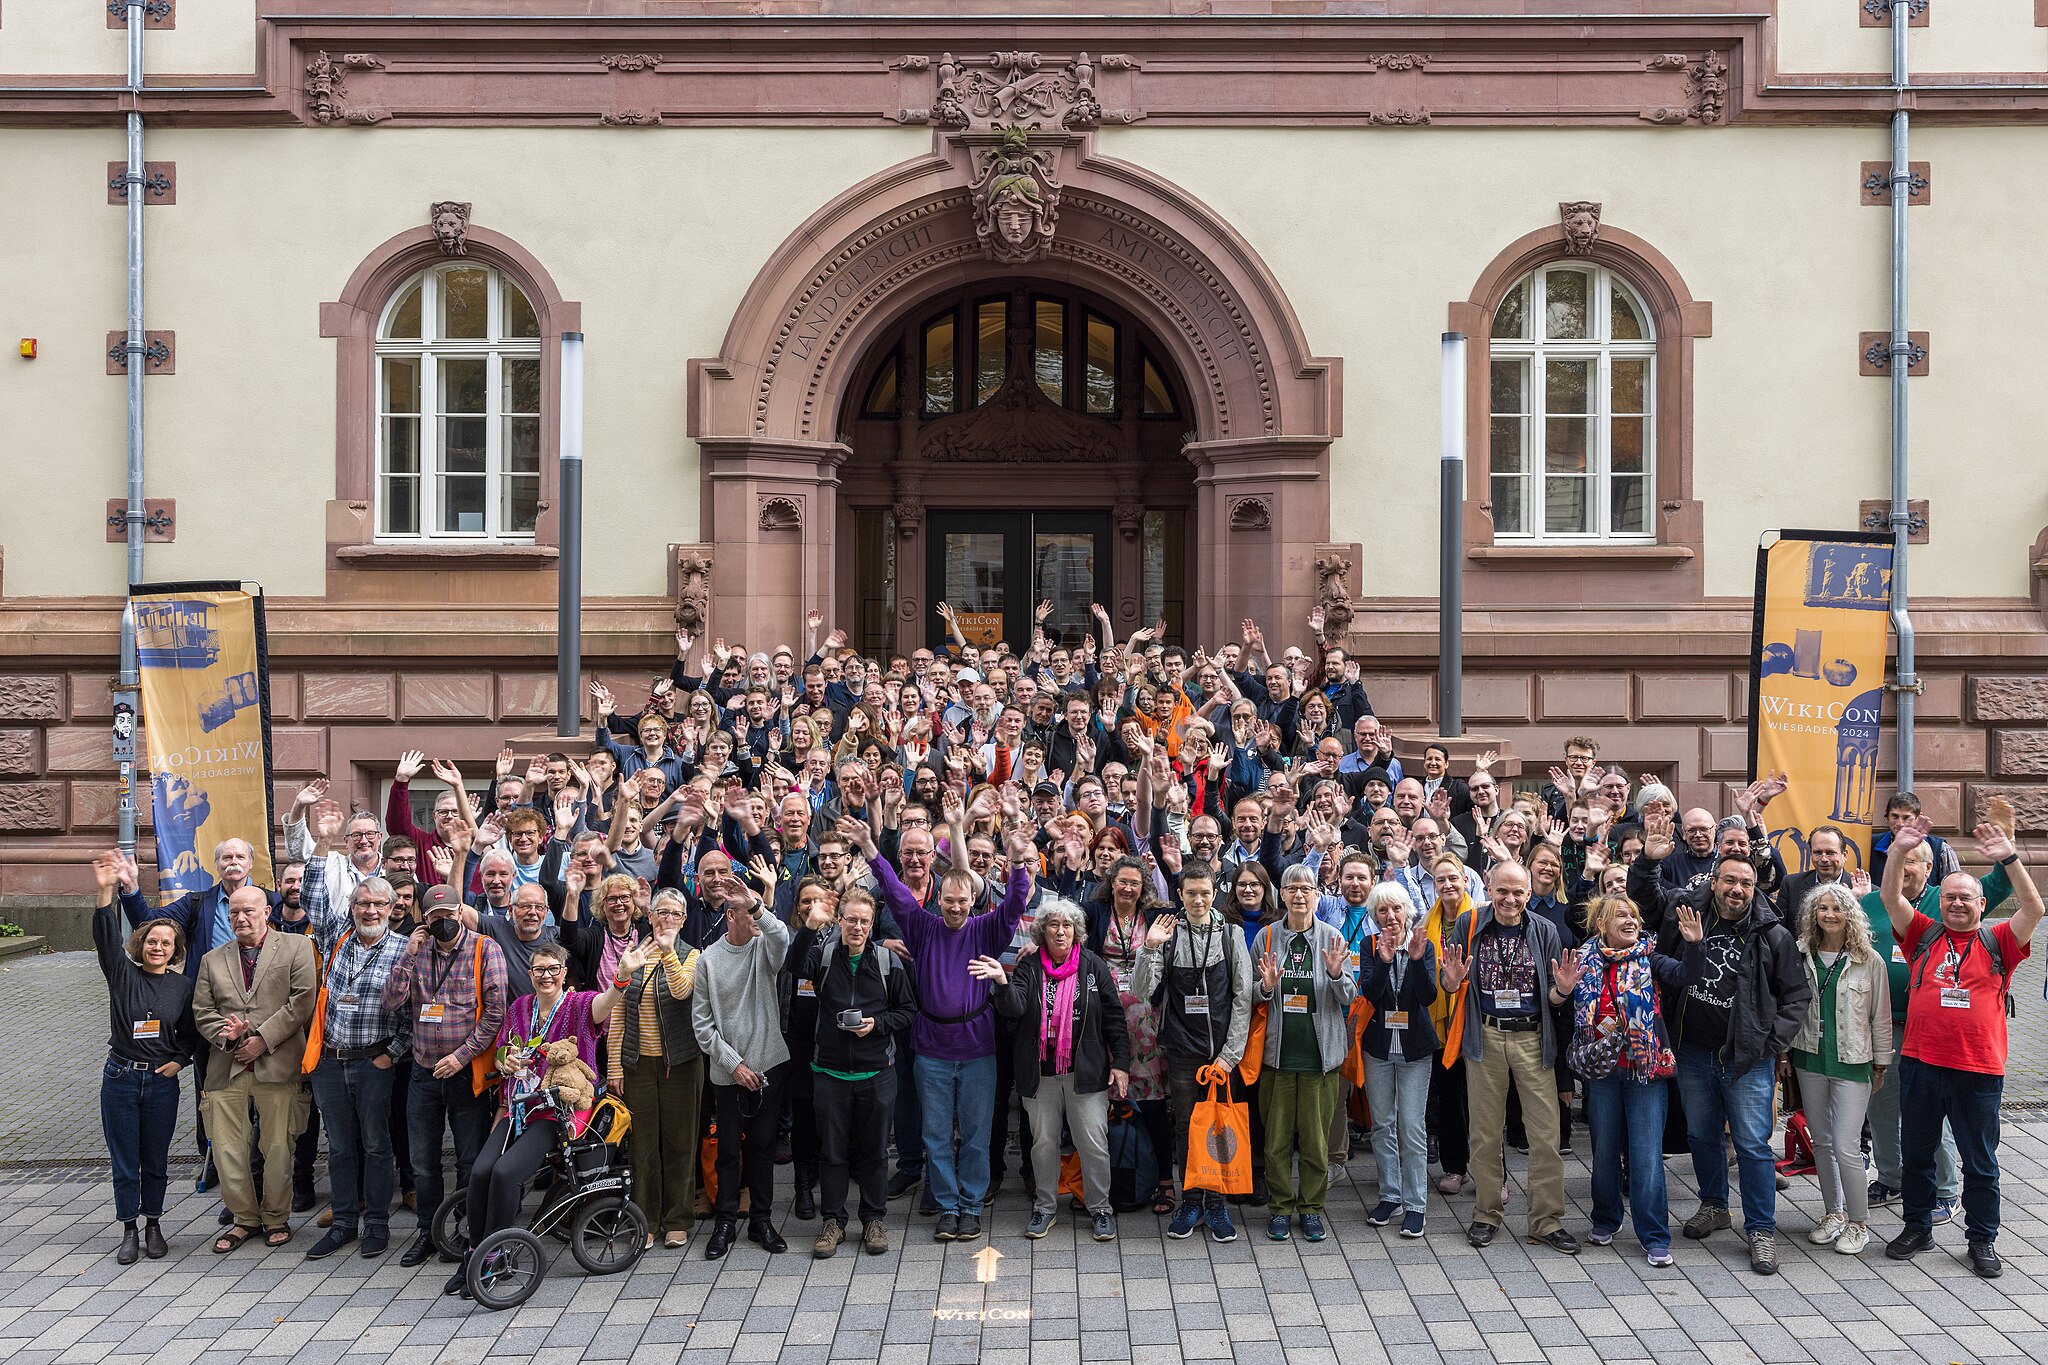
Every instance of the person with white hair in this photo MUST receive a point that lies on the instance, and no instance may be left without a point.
(1839, 1056)
(1073, 1055)
(1399, 981)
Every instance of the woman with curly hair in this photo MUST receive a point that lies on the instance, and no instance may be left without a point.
(1836, 1057)
(1118, 919)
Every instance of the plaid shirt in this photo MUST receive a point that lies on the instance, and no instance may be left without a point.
(468, 1027)
(330, 912)
(356, 1013)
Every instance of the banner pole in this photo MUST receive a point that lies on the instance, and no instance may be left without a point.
(1450, 550)
(569, 580)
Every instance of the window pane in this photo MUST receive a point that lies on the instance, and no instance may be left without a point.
(1629, 512)
(1158, 401)
(1508, 456)
(521, 378)
(518, 319)
(1508, 518)
(522, 503)
(401, 384)
(974, 571)
(1566, 298)
(1564, 445)
(882, 393)
(1511, 319)
(1567, 386)
(1101, 372)
(465, 303)
(1625, 445)
(1510, 386)
(1050, 362)
(401, 445)
(1163, 595)
(463, 386)
(401, 503)
(938, 367)
(405, 318)
(1630, 378)
(462, 445)
(522, 445)
(1564, 510)
(1063, 573)
(462, 505)
(1623, 323)
(993, 320)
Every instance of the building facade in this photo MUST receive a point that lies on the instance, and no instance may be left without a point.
(885, 307)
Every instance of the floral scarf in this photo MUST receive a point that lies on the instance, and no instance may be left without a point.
(1623, 976)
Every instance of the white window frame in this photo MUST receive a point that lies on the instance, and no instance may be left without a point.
(1599, 347)
(493, 349)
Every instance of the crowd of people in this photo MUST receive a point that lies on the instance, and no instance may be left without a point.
(803, 909)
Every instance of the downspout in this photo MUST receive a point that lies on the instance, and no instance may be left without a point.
(1907, 688)
(131, 679)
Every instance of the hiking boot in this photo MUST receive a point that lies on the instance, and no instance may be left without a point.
(1710, 1219)
(1763, 1253)
(874, 1238)
(829, 1238)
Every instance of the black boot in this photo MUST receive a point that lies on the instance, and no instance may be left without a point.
(131, 1246)
(153, 1245)
(804, 1205)
(722, 1232)
(458, 1283)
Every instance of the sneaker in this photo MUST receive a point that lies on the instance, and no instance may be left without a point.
(1660, 1257)
(1411, 1225)
(1830, 1230)
(970, 1228)
(1600, 1237)
(1040, 1224)
(334, 1240)
(1382, 1213)
(1449, 1183)
(1221, 1229)
(903, 1182)
(927, 1203)
(1882, 1194)
(829, 1238)
(1763, 1253)
(1784, 1182)
(1105, 1227)
(1312, 1227)
(948, 1228)
(1945, 1211)
(1909, 1243)
(1279, 1227)
(1984, 1260)
(874, 1238)
(1185, 1219)
(1710, 1219)
(1855, 1237)
(1559, 1240)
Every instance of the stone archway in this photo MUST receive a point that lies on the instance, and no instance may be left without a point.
(765, 411)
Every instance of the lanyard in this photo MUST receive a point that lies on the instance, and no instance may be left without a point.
(1127, 933)
(434, 984)
(1957, 959)
(542, 1032)
(370, 956)
(1828, 976)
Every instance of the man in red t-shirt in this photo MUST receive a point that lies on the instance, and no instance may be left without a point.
(1953, 1066)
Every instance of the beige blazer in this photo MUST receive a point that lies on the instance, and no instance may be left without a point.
(279, 1004)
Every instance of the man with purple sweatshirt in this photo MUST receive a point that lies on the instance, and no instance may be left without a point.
(954, 1036)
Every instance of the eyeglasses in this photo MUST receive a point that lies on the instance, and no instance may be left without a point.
(367, 902)
(544, 971)
(618, 900)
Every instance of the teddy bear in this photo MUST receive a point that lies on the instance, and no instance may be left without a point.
(569, 1075)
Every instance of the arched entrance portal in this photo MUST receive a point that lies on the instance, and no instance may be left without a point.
(806, 502)
(945, 408)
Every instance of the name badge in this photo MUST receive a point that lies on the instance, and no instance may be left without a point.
(1354, 962)
(350, 1000)
(148, 1029)
(433, 1013)
(1955, 997)
(1899, 955)
(1395, 1019)
(1295, 1004)
(806, 989)
(1123, 979)
(1507, 1000)
(1197, 1004)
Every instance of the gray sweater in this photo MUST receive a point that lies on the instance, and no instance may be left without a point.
(734, 1004)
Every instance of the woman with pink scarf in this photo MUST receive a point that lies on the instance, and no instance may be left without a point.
(1073, 1053)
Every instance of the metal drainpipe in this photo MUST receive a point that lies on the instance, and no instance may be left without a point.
(1907, 688)
(131, 679)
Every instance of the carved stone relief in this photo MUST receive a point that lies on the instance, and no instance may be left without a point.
(1580, 219)
(1015, 90)
(450, 222)
(781, 514)
(631, 61)
(1019, 424)
(327, 88)
(1250, 514)
(693, 591)
(1333, 594)
(1016, 197)
(1706, 88)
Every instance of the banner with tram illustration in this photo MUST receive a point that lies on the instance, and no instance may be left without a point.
(1816, 683)
(205, 669)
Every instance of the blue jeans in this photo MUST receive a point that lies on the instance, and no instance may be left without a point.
(1399, 1095)
(138, 1109)
(431, 1107)
(1742, 1102)
(956, 1096)
(909, 1122)
(1627, 1118)
(355, 1106)
(1968, 1101)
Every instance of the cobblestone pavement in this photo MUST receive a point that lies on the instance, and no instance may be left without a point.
(1364, 1296)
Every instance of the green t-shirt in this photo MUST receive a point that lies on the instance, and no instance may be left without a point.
(1828, 1061)
(1299, 1050)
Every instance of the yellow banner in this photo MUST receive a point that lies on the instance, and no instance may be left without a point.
(982, 629)
(206, 726)
(1817, 684)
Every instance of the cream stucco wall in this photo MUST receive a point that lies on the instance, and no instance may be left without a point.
(1974, 35)
(657, 232)
(1373, 233)
(71, 38)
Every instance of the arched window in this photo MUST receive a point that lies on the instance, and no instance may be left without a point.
(1571, 400)
(458, 394)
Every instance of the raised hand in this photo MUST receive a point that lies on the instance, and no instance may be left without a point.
(813, 619)
(1561, 780)
(1859, 882)
(1440, 806)
(1269, 970)
(448, 773)
(327, 821)
(683, 642)
(1552, 828)
(1999, 812)
(1170, 854)
(1993, 843)
(409, 764)
(311, 793)
(1160, 933)
(106, 872)
(1596, 860)
(634, 958)
(988, 969)
(536, 772)
(1911, 835)
(505, 761)
(1771, 788)
(1657, 842)
(1689, 926)
(1566, 971)
(442, 861)
(1316, 619)
(1451, 974)
(1485, 761)
(1418, 942)
(600, 694)
(1336, 959)
(1383, 945)
(1399, 848)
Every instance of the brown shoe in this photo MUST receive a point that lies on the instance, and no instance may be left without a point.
(412, 1200)
(829, 1238)
(326, 1218)
(874, 1238)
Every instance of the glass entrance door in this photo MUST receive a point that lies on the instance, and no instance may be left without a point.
(994, 567)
